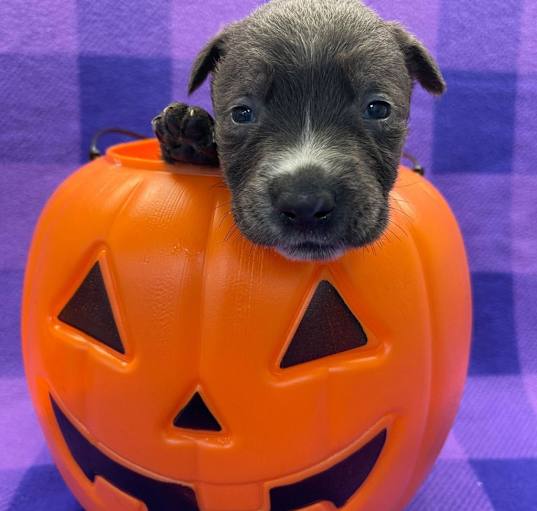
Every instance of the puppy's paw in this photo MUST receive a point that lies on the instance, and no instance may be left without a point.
(186, 134)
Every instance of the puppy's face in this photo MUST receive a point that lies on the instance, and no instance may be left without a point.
(311, 102)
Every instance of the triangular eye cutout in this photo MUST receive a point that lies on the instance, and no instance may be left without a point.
(89, 311)
(328, 327)
(196, 415)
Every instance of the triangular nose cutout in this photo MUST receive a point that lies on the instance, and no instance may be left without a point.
(196, 415)
(327, 327)
(89, 311)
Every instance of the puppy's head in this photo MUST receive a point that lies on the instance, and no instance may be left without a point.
(311, 100)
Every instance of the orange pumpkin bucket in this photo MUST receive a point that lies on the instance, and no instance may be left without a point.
(174, 366)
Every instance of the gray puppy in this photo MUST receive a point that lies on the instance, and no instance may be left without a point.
(311, 101)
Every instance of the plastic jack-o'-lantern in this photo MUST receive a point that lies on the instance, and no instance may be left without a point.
(174, 366)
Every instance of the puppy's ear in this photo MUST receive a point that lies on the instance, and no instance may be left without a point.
(419, 62)
(207, 59)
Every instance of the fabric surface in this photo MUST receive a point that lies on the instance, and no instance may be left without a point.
(70, 67)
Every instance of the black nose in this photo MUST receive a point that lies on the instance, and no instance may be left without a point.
(306, 207)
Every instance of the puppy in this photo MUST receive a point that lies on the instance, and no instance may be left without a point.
(311, 101)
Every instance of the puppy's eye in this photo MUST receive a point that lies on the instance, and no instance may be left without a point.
(378, 110)
(242, 114)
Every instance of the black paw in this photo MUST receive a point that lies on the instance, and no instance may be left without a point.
(186, 134)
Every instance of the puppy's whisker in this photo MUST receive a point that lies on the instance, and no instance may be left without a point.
(406, 219)
(393, 233)
(223, 204)
(225, 216)
(385, 238)
(230, 233)
(403, 231)
(398, 210)
(218, 184)
(370, 249)
(399, 186)
(400, 199)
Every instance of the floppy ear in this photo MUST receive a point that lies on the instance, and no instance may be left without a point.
(207, 59)
(419, 62)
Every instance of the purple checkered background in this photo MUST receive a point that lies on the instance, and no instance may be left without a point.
(70, 67)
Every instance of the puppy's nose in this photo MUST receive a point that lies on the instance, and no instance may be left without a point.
(305, 208)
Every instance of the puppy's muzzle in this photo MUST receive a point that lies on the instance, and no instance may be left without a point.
(302, 200)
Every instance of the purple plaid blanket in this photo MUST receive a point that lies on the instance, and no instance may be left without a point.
(70, 67)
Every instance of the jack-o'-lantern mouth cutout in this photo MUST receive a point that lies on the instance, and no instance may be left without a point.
(336, 484)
